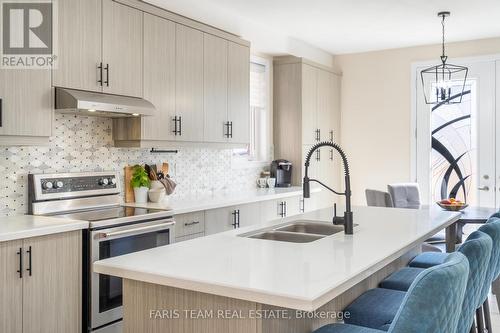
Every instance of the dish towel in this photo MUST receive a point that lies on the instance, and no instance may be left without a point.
(169, 184)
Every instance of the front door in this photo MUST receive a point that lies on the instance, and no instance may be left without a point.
(456, 143)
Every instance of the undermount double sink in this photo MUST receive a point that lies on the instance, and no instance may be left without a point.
(300, 231)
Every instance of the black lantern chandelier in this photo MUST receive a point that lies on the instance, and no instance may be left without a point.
(444, 83)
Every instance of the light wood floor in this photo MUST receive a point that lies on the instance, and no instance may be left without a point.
(495, 314)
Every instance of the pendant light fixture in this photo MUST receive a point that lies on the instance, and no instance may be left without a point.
(444, 83)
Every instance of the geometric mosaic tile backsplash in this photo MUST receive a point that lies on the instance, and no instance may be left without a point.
(85, 144)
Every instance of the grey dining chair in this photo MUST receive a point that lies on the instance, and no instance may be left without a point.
(376, 198)
(405, 195)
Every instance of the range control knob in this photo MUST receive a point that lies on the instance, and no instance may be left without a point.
(58, 184)
(103, 181)
(112, 181)
(48, 185)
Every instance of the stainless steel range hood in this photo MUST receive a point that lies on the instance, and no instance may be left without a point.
(101, 105)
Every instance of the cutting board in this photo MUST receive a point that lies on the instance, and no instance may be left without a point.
(129, 191)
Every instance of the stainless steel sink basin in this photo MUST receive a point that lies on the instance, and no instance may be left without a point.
(286, 236)
(298, 231)
(312, 227)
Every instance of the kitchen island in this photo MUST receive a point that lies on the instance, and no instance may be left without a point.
(231, 283)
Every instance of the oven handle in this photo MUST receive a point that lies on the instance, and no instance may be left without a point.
(135, 231)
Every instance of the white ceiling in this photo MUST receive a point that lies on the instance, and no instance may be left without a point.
(342, 26)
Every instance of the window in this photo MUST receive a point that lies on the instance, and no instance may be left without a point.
(259, 150)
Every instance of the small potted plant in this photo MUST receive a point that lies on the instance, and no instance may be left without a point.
(140, 183)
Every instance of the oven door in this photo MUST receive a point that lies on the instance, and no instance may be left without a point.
(106, 291)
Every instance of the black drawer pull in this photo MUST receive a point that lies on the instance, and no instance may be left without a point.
(107, 75)
(20, 270)
(29, 261)
(100, 74)
(187, 224)
(175, 125)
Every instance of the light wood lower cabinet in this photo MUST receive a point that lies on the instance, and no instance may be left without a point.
(213, 221)
(11, 288)
(189, 224)
(280, 208)
(46, 298)
(223, 219)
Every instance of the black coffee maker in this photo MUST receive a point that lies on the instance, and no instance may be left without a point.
(282, 171)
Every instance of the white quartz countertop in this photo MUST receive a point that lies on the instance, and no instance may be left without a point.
(301, 276)
(25, 226)
(193, 203)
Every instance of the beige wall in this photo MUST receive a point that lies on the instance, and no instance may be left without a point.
(376, 107)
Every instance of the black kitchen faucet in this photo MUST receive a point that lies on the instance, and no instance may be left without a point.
(346, 220)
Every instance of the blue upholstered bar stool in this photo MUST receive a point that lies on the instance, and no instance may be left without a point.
(492, 228)
(377, 307)
(431, 305)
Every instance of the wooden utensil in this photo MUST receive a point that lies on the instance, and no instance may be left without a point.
(165, 168)
(129, 191)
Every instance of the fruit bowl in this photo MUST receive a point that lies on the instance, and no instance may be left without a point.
(453, 207)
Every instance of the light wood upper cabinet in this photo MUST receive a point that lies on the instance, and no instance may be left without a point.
(325, 105)
(79, 51)
(308, 97)
(189, 83)
(122, 49)
(309, 104)
(52, 290)
(159, 77)
(11, 287)
(26, 113)
(239, 92)
(215, 83)
(199, 82)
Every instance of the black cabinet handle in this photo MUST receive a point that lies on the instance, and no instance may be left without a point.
(1, 115)
(175, 125)
(282, 209)
(238, 217)
(100, 74)
(331, 135)
(230, 129)
(180, 125)
(20, 270)
(302, 205)
(235, 223)
(285, 213)
(331, 154)
(107, 75)
(318, 155)
(29, 261)
(226, 129)
(187, 224)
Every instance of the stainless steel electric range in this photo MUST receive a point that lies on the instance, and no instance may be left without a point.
(114, 230)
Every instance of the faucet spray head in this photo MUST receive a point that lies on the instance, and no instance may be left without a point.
(306, 188)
